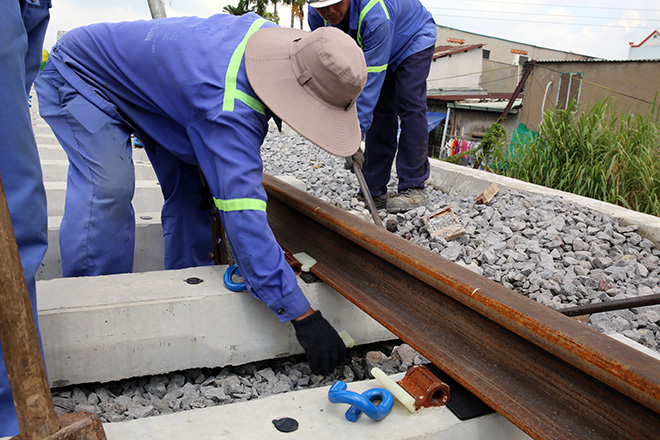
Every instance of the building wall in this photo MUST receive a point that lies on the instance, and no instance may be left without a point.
(470, 124)
(644, 53)
(648, 49)
(504, 50)
(499, 77)
(455, 72)
(628, 83)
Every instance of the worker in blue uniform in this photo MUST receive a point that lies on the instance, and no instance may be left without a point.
(398, 40)
(198, 92)
(23, 26)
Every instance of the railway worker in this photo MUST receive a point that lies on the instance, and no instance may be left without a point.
(198, 92)
(398, 40)
(22, 29)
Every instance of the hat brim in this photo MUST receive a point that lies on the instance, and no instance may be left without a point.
(323, 3)
(270, 72)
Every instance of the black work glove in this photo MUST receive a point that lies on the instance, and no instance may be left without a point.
(358, 157)
(323, 346)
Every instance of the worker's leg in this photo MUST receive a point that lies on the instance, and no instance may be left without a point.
(186, 227)
(412, 162)
(380, 141)
(22, 29)
(97, 234)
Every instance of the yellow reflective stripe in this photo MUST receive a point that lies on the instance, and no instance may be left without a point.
(235, 65)
(364, 11)
(251, 102)
(240, 205)
(377, 68)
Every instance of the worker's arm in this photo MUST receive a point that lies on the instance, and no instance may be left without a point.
(227, 147)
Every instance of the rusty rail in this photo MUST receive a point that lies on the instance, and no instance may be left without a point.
(551, 376)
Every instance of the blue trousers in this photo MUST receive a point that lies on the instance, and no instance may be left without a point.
(403, 96)
(97, 235)
(22, 29)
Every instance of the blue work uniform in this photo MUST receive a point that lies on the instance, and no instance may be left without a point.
(180, 85)
(22, 29)
(398, 39)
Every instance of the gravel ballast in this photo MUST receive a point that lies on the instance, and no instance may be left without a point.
(553, 251)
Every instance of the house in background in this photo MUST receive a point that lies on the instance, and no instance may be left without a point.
(632, 85)
(502, 60)
(456, 68)
(648, 49)
(471, 81)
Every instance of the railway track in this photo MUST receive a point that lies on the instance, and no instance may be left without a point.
(550, 375)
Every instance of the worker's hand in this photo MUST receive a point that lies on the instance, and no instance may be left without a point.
(358, 157)
(323, 346)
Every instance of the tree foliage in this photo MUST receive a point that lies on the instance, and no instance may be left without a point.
(260, 7)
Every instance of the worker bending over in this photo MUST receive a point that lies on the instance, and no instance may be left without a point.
(198, 92)
(398, 40)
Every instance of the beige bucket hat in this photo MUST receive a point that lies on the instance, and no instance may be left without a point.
(310, 80)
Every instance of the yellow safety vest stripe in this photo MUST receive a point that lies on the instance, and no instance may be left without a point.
(363, 12)
(231, 93)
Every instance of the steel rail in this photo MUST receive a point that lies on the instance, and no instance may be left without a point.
(553, 377)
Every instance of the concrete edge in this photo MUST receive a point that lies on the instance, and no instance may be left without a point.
(464, 181)
(317, 418)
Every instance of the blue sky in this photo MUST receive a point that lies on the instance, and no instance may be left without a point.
(597, 28)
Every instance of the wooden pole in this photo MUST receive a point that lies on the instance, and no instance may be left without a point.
(20, 343)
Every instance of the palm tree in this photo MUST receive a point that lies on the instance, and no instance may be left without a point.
(297, 10)
(300, 11)
(242, 8)
(276, 18)
(260, 7)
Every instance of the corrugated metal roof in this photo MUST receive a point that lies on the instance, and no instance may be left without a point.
(597, 60)
(512, 41)
(490, 106)
(443, 51)
(470, 96)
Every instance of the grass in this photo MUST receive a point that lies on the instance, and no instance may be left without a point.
(602, 154)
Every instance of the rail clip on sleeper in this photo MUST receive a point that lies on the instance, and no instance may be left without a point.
(419, 388)
(362, 403)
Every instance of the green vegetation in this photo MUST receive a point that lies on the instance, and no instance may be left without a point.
(600, 154)
(488, 151)
(259, 7)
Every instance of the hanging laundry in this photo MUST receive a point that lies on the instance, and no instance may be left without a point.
(455, 147)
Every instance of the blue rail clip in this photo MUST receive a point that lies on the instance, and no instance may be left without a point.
(229, 282)
(362, 403)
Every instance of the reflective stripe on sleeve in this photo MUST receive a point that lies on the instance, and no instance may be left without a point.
(377, 68)
(240, 205)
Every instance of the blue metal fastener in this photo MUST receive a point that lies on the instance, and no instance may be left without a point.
(362, 403)
(229, 282)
